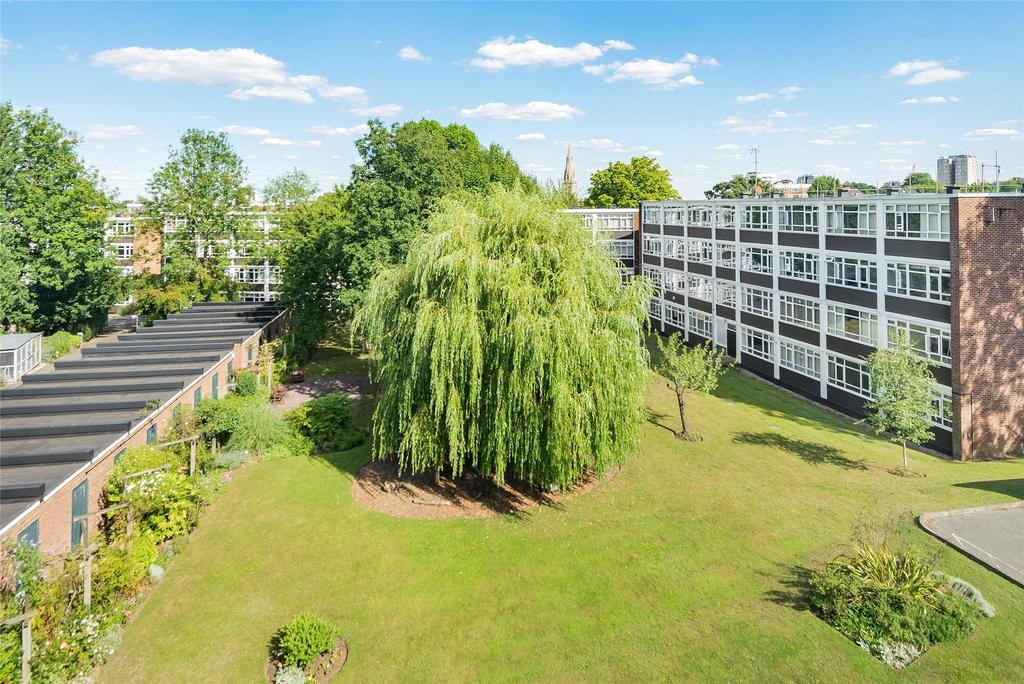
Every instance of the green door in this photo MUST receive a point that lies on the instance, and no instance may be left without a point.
(216, 381)
(79, 506)
(197, 396)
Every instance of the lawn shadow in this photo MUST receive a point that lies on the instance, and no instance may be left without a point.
(654, 418)
(794, 590)
(1010, 487)
(811, 452)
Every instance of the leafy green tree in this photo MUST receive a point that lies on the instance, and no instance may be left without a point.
(921, 181)
(824, 186)
(866, 188)
(688, 369)
(289, 189)
(54, 272)
(626, 185)
(505, 343)
(738, 186)
(202, 189)
(901, 385)
(344, 238)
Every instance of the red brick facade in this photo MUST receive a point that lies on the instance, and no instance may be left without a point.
(987, 316)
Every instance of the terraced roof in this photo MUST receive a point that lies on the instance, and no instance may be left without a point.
(57, 420)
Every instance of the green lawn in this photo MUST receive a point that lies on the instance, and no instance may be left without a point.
(686, 565)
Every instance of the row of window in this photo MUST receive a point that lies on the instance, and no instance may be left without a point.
(923, 221)
(903, 278)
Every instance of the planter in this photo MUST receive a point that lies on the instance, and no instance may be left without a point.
(297, 376)
(326, 667)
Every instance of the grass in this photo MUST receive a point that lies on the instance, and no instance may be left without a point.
(688, 564)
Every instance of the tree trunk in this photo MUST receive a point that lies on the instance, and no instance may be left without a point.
(437, 476)
(684, 433)
(906, 460)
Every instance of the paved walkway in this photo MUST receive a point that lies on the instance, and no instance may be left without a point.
(992, 535)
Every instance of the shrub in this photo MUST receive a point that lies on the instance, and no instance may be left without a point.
(885, 599)
(258, 430)
(58, 344)
(217, 418)
(165, 502)
(968, 591)
(159, 301)
(246, 384)
(326, 419)
(291, 675)
(305, 637)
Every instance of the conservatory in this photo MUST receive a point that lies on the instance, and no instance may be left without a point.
(19, 354)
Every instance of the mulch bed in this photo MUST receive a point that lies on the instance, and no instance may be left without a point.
(324, 669)
(378, 487)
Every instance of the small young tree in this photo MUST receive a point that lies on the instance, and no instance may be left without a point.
(689, 369)
(902, 387)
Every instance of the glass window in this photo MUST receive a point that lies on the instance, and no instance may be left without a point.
(700, 215)
(674, 247)
(800, 311)
(802, 265)
(652, 245)
(654, 274)
(850, 219)
(700, 323)
(931, 342)
(726, 254)
(30, 535)
(799, 358)
(654, 308)
(799, 218)
(853, 324)
(79, 506)
(757, 300)
(701, 251)
(699, 287)
(151, 434)
(758, 217)
(850, 272)
(919, 221)
(675, 314)
(725, 293)
(652, 214)
(759, 344)
(923, 281)
(216, 386)
(849, 375)
(942, 408)
(756, 260)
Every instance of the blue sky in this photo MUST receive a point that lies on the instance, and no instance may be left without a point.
(861, 90)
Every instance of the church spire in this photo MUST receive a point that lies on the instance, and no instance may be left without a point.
(569, 178)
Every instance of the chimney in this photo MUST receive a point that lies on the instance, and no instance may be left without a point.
(952, 190)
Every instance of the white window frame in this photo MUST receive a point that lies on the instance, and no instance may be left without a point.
(674, 247)
(700, 251)
(929, 340)
(864, 273)
(656, 276)
(652, 245)
(758, 217)
(798, 218)
(932, 220)
(674, 314)
(865, 223)
(942, 407)
(764, 264)
(725, 293)
(675, 216)
(700, 215)
(798, 264)
(725, 217)
(700, 287)
(844, 363)
(898, 274)
(765, 347)
(725, 254)
(699, 323)
(652, 214)
(757, 300)
(675, 281)
(839, 314)
(800, 358)
(654, 308)
(791, 306)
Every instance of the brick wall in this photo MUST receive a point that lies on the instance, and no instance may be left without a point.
(987, 316)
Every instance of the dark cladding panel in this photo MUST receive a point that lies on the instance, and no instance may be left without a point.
(699, 232)
(756, 237)
(795, 332)
(675, 231)
(759, 366)
(798, 239)
(726, 312)
(755, 321)
(674, 297)
(849, 243)
(801, 383)
(849, 295)
(802, 287)
(725, 235)
(759, 279)
(919, 249)
(675, 264)
(700, 305)
(652, 228)
(703, 269)
(652, 260)
(848, 347)
(933, 311)
(846, 400)
(725, 273)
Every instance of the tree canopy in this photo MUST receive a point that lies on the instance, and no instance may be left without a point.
(506, 344)
(688, 369)
(922, 181)
(825, 186)
(202, 188)
(738, 186)
(345, 238)
(289, 189)
(626, 185)
(54, 273)
(901, 385)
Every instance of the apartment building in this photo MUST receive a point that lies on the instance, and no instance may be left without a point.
(958, 169)
(616, 230)
(138, 251)
(800, 291)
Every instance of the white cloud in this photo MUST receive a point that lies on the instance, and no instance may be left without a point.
(530, 136)
(6, 45)
(733, 120)
(273, 92)
(727, 147)
(931, 99)
(501, 53)
(597, 144)
(285, 142)
(983, 133)
(738, 125)
(821, 141)
(892, 161)
(385, 111)
(107, 132)
(538, 168)
(243, 130)
(333, 92)
(653, 72)
(291, 156)
(757, 97)
(790, 92)
(1012, 122)
(224, 67)
(617, 45)
(411, 54)
(537, 110)
(924, 72)
(324, 129)
(202, 117)
(710, 61)
(944, 146)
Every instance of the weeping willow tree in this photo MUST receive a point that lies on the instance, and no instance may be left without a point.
(506, 344)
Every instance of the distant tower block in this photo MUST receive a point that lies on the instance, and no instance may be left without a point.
(569, 178)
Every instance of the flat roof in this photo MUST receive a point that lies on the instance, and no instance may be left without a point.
(9, 342)
(58, 420)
